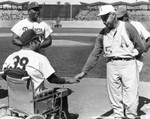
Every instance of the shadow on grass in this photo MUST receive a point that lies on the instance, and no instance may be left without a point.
(3, 93)
(142, 101)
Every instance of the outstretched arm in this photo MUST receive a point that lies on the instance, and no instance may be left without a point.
(147, 44)
(58, 80)
(93, 58)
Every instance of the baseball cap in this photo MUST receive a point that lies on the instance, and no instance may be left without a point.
(33, 5)
(105, 9)
(120, 12)
(28, 36)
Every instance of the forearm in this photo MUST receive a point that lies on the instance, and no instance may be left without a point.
(94, 55)
(55, 79)
(90, 63)
(16, 42)
(46, 42)
(147, 44)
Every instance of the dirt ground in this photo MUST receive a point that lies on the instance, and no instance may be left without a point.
(89, 98)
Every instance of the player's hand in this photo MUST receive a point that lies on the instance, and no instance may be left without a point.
(71, 80)
(147, 45)
(41, 36)
(80, 76)
(40, 33)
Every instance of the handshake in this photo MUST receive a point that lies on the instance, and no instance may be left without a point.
(75, 79)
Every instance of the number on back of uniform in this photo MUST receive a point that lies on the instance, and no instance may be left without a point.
(20, 62)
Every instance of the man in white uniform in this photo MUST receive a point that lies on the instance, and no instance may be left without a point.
(33, 22)
(121, 43)
(123, 15)
(36, 65)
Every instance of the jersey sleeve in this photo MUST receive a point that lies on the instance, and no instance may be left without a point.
(144, 33)
(7, 62)
(16, 29)
(94, 55)
(135, 37)
(46, 68)
(47, 29)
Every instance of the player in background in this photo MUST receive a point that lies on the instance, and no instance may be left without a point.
(37, 66)
(33, 22)
(123, 15)
(121, 43)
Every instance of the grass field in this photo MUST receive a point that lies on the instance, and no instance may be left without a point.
(90, 97)
(69, 60)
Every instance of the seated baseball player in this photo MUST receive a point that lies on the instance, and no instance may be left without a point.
(37, 66)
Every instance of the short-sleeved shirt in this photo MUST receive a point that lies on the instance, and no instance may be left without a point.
(141, 29)
(38, 27)
(37, 66)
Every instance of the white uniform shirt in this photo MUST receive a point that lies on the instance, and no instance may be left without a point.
(141, 29)
(37, 66)
(38, 27)
(117, 43)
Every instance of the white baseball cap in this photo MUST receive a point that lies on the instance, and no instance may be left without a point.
(105, 9)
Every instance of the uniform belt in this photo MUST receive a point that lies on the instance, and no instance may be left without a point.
(119, 58)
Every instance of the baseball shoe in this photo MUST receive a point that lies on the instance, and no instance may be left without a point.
(73, 116)
(135, 118)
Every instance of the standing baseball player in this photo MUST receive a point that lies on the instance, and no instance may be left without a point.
(37, 66)
(33, 22)
(121, 43)
(123, 15)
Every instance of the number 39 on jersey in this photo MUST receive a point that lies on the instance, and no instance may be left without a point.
(20, 62)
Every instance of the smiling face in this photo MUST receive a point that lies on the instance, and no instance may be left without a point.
(34, 13)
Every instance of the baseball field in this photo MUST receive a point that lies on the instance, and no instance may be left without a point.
(68, 53)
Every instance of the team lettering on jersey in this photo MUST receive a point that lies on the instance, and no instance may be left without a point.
(40, 32)
(24, 29)
(37, 30)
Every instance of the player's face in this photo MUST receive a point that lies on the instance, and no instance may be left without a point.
(108, 20)
(124, 18)
(34, 13)
(37, 44)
